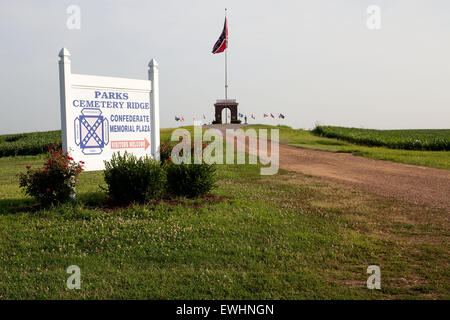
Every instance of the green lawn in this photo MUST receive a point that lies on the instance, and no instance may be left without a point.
(287, 236)
(306, 139)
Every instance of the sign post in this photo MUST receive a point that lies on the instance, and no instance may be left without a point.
(153, 76)
(103, 115)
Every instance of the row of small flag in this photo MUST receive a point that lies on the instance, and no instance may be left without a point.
(266, 115)
(280, 115)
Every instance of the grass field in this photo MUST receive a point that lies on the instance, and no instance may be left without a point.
(287, 236)
(429, 140)
(306, 139)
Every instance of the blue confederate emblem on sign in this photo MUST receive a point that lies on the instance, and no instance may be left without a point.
(91, 131)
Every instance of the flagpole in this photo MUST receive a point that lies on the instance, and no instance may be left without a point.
(226, 78)
(226, 68)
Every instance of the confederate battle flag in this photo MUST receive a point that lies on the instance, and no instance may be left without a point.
(222, 43)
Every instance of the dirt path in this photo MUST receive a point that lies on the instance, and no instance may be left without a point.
(415, 184)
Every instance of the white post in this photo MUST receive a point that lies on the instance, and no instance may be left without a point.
(154, 101)
(64, 91)
(64, 95)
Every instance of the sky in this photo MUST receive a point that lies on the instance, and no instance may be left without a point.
(314, 61)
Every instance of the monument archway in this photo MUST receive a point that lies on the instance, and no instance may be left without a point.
(230, 104)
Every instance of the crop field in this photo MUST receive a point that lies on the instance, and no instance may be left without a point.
(28, 143)
(431, 140)
(34, 143)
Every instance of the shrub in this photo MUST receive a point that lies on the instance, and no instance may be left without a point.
(55, 182)
(131, 179)
(165, 150)
(190, 180)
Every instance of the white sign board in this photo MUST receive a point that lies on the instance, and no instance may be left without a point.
(104, 115)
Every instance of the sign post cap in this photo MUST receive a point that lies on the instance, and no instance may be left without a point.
(64, 53)
(153, 63)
